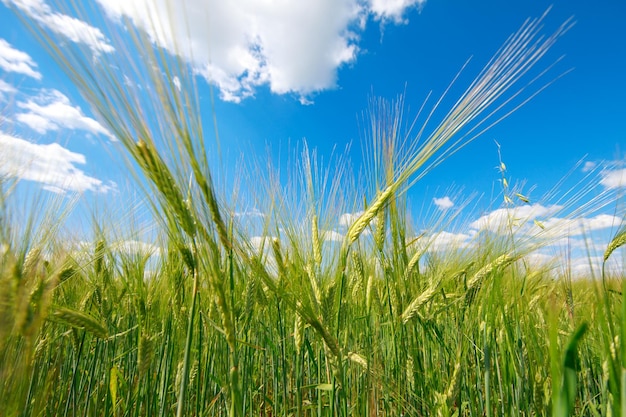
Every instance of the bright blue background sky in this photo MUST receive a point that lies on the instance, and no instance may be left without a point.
(411, 49)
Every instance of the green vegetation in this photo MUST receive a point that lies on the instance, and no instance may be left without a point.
(213, 322)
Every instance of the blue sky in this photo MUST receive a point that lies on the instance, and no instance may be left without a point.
(286, 71)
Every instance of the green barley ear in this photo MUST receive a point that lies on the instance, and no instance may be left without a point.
(413, 264)
(36, 306)
(278, 256)
(417, 303)
(78, 320)
(358, 276)
(298, 333)
(474, 283)
(618, 240)
(32, 261)
(145, 353)
(382, 199)
(160, 175)
(370, 292)
(98, 256)
(381, 229)
(317, 245)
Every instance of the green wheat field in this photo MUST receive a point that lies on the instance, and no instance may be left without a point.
(297, 320)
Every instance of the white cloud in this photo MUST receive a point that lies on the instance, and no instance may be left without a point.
(136, 247)
(447, 241)
(332, 236)
(589, 166)
(346, 219)
(292, 46)
(6, 88)
(586, 267)
(69, 27)
(512, 217)
(51, 165)
(261, 242)
(393, 9)
(573, 227)
(537, 259)
(52, 110)
(614, 178)
(443, 203)
(250, 213)
(13, 60)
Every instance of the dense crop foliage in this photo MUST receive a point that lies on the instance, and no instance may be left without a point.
(298, 321)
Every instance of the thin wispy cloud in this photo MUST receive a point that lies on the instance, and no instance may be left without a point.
(51, 110)
(14, 60)
(71, 28)
(6, 89)
(294, 47)
(250, 213)
(51, 165)
(588, 166)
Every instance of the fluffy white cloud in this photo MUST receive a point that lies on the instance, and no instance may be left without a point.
(614, 178)
(261, 242)
(293, 46)
(502, 218)
(573, 227)
(443, 203)
(392, 9)
(586, 267)
(442, 241)
(14, 60)
(136, 247)
(346, 219)
(332, 236)
(69, 27)
(51, 165)
(52, 110)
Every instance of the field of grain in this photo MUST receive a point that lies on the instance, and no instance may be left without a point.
(296, 319)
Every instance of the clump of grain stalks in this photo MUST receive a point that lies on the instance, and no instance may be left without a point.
(305, 319)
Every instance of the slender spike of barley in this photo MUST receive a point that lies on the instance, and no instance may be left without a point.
(31, 261)
(355, 230)
(413, 262)
(298, 333)
(317, 245)
(79, 320)
(618, 241)
(420, 300)
(145, 353)
(358, 359)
